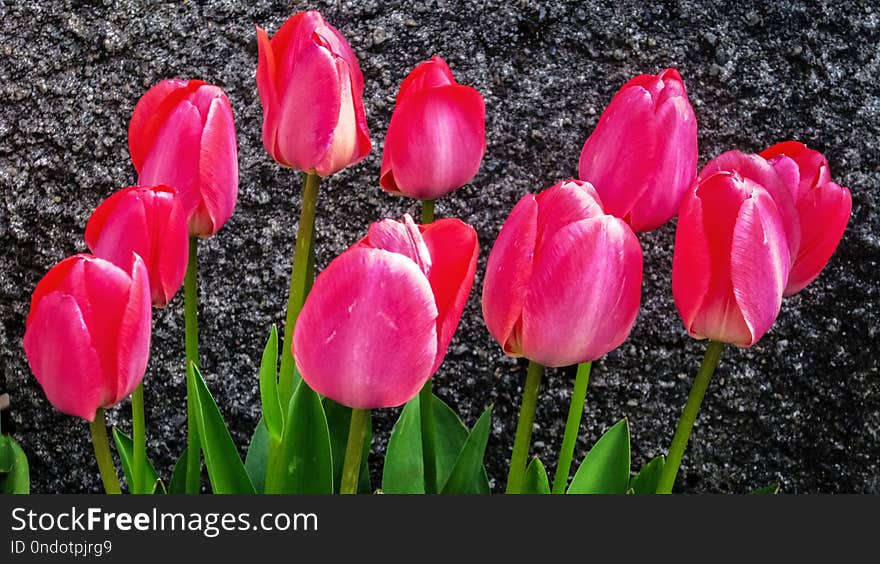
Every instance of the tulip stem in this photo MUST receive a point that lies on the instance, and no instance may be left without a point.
(427, 211)
(300, 284)
(572, 427)
(429, 433)
(139, 438)
(191, 323)
(688, 417)
(524, 428)
(357, 432)
(98, 429)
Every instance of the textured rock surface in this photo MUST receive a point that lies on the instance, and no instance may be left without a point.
(802, 407)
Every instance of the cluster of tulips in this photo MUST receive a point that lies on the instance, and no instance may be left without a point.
(562, 285)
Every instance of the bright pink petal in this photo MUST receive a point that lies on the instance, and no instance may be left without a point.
(218, 170)
(563, 203)
(151, 112)
(759, 263)
(812, 164)
(435, 142)
(824, 212)
(122, 225)
(133, 333)
(584, 295)
(173, 237)
(691, 263)
(61, 356)
(367, 335)
(401, 237)
(453, 248)
(507, 275)
(266, 71)
(344, 148)
(432, 73)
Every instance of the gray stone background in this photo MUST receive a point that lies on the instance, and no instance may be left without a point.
(802, 407)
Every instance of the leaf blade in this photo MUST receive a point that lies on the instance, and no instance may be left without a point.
(606, 467)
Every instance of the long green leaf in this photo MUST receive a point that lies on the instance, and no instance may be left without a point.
(306, 457)
(225, 468)
(339, 420)
(269, 386)
(606, 467)
(257, 456)
(7, 455)
(646, 481)
(536, 480)
(403, 471)
(772, 489)
(125, 448)
(178, 475)
(466, 475)
(17, 480)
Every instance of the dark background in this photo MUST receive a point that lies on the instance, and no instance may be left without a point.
(802, 407)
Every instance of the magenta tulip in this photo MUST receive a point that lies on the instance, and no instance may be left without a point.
(380, 317)
(823, 210)
(182, 134)
(311, 88)
(563, 281)
(437, 135)
(642, 156)
(731, 260)
(150, 222)
(87, 335)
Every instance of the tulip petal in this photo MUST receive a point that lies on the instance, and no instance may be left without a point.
(429, 74)
(170, 227)
(691, 262)
(824, 212)
(133, 333)
(435, 142)
(344, 145)
(127, 230)
(584, 296)
(453, 247)
(563, 203)
(812, 164)
(402, 237)
(367, 335)
(61, 356)
(218, 168)
(151, 112)
(266, 71)
(507, 275)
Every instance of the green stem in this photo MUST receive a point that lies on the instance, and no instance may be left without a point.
(191, 323)
(300, 282)
(98, 428)
(271, 485)
(357, 432)
(524, 428)
(429, 434)
(139, 438)
(572, 427)
(688, 417)
(427, 211)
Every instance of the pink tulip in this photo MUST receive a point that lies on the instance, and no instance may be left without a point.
(147, 221)
(380, 317)
(182, 134)
(642, 156)
(87, 335)
(823, 210)
(437, 135)
(311, 88)
(563, 281)
(731, 259)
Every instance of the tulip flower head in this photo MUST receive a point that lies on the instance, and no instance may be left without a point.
(87, 335)
(731, 259)
(182, 134)
(823, 209)
(378, 321)
(642, 156)
(150, 222)
(563, 281)
(311, 89)
(437, 135)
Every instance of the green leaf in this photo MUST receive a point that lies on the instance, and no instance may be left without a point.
(466, 475)
(257, 456)
(225, 469)
(178, 475)
(7, 455)
(403, 471)
(306, 457)
(17, 480)
(646, 481)
(338, 421)
(536, 481)
(606, 467)
(269, 387)
(772, 489)
(125, 448)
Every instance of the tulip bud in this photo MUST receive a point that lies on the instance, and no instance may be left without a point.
(380, 317)
(731, 260)
(563, 281)
(150, 222)
(311, 89)
(823, 210)
(642, 156)
(182, 134)
(437, 135)
(87, 335)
